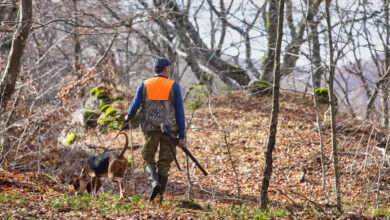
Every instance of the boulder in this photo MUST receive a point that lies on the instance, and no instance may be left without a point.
(259, 88)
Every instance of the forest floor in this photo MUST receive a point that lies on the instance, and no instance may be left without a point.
(228, 137)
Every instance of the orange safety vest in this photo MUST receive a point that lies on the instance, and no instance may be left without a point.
(157, 105)
(158, 88)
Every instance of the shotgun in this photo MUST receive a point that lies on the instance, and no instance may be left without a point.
(175, 141)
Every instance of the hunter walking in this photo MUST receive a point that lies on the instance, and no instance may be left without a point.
(161, 102)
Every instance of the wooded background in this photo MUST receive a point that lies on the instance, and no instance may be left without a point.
(53, 52)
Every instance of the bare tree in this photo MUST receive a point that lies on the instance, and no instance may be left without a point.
(297, 33)
(76, 40)
(268, 59)
(275, 111)
(203, 61)
(11, 72)
(8, 14)
(386, 81)
(332, 101)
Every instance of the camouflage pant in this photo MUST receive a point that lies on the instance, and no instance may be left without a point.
(149, 149)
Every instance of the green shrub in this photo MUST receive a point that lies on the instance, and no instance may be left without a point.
(199, 92)
(197, 95)
(192, 105)
(70, 139)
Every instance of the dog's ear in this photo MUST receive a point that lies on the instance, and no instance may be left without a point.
(76, 183)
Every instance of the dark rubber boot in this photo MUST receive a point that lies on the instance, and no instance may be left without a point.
(150, 170)
(163, 180)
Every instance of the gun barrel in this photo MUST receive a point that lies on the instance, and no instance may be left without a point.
(186, 151)
(164, 130)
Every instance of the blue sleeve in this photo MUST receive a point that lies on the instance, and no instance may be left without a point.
(179, 111)
(136, 101)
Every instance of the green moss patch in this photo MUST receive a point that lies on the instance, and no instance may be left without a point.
(104, 107)
(70, 139)
(110, 111)
(189, 204)
(259, 88)
(117, 98)
(322, 95)
(88, 114)
(90, 117)
(99, 93)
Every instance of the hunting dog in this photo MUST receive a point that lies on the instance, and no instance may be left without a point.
(109, 165)
(76, 184)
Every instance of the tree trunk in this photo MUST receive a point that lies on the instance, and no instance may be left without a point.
(11, 72)
(332, 101)
(7, 13)
(268, 59)
(297, 34)
(275, 111)
(76, 42)
(203, 62)
(317, 61)
(386, 83)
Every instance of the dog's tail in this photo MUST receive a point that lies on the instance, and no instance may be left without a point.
(126, 144)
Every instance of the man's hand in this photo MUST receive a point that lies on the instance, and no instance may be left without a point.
(181, 143)
(127, 119)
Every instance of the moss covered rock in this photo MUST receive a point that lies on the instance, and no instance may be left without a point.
(90, 118)
(259, 88)
(103, 108)
(117, 98)
(323, 95)
(189, 204)
(110, 122)
(99, 92)
(85, 117)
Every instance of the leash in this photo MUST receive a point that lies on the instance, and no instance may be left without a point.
(123, 128)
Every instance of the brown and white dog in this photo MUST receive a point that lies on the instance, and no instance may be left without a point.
(109, 165)
(76, 184)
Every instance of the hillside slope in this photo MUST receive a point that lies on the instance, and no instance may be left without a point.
(230, 123)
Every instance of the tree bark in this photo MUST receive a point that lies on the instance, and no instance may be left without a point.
(317, 61)
(76, 42)
(332, 101)
(268, 59)
(297, 33)
(201, 55)
(11, 72)
(275, 111)
(7, 13)
(385, 85)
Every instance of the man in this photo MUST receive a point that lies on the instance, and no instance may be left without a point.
(160, 100)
